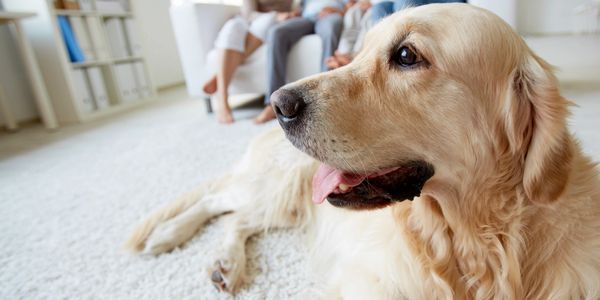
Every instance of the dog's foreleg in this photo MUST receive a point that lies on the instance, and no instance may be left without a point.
(188, 212)
(137, 240)
(178, 230)
(229, 269)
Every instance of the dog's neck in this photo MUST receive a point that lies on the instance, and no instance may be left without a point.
(480, 231)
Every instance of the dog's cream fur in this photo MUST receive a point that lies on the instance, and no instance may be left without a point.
(512, 212)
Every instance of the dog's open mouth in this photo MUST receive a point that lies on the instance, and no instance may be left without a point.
(370, 191)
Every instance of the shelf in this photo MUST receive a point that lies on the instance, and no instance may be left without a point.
(66, 89)
(116, 14)
(13, 15)
(73, 12)
(103, 14)
(116, 108)
(95, 63)
(90, 64)
(127, 59)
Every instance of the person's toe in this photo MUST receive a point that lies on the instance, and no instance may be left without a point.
(225, 117)
(266, 115)
(210, 87)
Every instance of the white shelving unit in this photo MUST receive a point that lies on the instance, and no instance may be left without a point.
(47, 40)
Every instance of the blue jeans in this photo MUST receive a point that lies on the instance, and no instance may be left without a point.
(385, 8)
(284, 35)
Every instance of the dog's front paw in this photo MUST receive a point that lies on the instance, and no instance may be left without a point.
(227, 275)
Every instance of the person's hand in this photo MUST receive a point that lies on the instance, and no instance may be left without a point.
(350, 4)
(328, 10)
(364, 5)
(282, 16)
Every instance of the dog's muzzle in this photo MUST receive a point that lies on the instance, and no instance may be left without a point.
(289, 106)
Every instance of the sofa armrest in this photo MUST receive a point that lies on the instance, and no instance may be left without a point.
(196, 26)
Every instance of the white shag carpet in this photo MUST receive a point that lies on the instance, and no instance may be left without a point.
(69, 199)
(66, 208)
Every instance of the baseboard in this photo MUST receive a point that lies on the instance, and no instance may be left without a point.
(169, 86)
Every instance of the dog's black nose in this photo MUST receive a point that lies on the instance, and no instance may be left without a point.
(287, 104)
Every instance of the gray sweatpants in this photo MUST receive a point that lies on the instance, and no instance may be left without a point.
(284, 35)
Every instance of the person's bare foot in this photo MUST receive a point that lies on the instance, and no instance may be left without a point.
(338, 60)
(343, 59)
(265, 116)
(224, 116)
(332, 63)
(210, 87)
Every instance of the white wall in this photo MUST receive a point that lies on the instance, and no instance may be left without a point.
(13, 78)
(158, 41)
(537, 17)
(546, 16)
(505, 9)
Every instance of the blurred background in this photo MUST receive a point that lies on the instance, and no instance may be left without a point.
(104, 117)
(565, 32)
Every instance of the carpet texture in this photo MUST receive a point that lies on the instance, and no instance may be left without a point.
(67, 206)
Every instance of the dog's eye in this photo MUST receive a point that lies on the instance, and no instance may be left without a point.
(406, 57)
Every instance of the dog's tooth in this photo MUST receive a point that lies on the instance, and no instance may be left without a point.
(344, 188)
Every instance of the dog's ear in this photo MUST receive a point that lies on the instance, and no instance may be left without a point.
(537, 128)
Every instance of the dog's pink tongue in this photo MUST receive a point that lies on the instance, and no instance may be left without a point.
(327, 179)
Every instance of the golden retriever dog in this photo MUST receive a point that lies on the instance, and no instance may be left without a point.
(445, 159)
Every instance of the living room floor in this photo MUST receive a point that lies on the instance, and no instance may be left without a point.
(69, 198)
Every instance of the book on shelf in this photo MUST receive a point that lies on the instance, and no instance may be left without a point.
(98, 87)
(82, 35)
(116, 37)
(83, 92)
(133, 42)
(66, 4)
(75, 53)
(126, 81)
(142, 82)
(101, 48)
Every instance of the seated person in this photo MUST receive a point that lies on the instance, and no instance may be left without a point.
(323, 17)
(357, 22)
(386, 8)
(238, 39)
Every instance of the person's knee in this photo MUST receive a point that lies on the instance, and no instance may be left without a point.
(276, 33)
(330, 27)
(235, 25)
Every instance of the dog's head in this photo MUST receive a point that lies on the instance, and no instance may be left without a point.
(440, 91)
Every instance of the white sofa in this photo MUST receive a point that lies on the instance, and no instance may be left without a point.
(196, 26)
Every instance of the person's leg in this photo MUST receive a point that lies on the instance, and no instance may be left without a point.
(381, 10)
(230, 44)
(402, 4)
(351, 29)
(252, 43)
(365, 24)
(254, 39)
(280, 39)
(231, 36)
(329, 29)
(229, 60)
